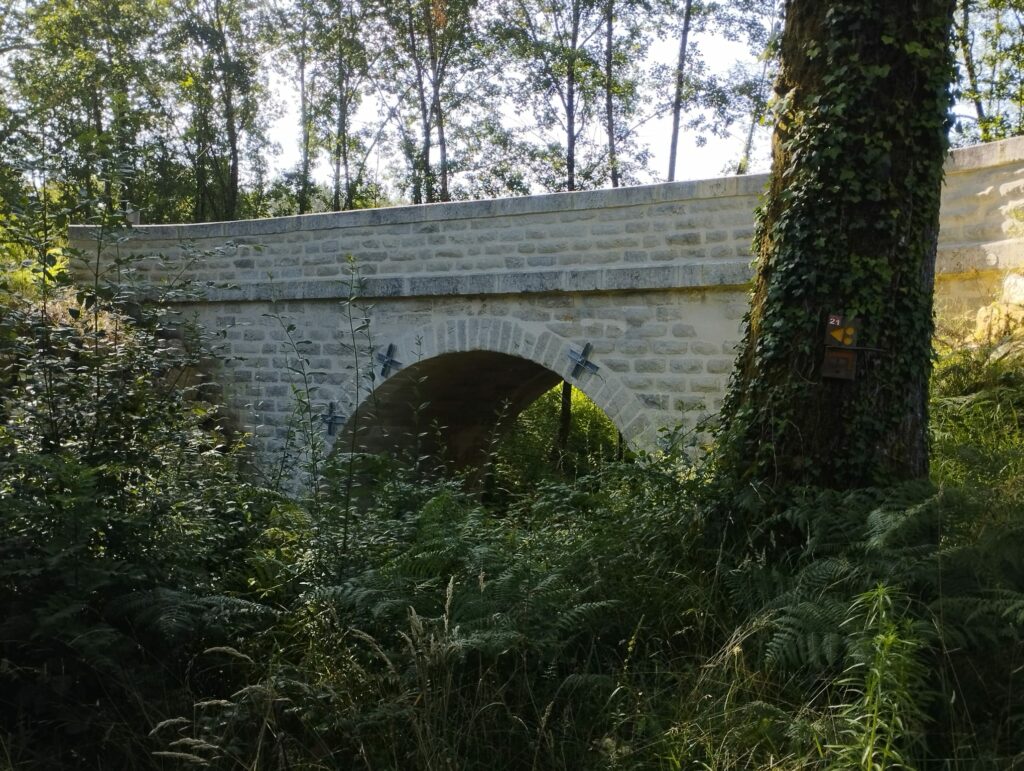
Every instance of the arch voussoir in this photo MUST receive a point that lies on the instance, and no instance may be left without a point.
(525, 341)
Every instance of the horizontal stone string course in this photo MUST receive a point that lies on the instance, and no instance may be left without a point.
(710, 274)
(486, 298)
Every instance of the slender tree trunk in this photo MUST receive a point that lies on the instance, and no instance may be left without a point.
(846, 242)
(570, 127)
(677, 99)
(234, 155)
(564, 425)
(350, 184)
(442, 150)
(565, 414)
(426, 173)
(570, 100)
(336, 169)
(123, 140)
(963, 40)
(96, 100)
(434, 23)
(344, 186)
(426, 184)
(609, 87)
(202, 180)
(225, 66)
(304, 183)
(124, 156)
(756, 113)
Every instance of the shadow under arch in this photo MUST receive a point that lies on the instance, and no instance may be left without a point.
(459, 383)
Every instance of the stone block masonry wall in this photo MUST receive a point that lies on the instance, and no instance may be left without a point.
(654, 277)
(981, 239)
(690, 234)
(664, 356)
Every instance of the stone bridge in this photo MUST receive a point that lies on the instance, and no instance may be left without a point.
(452, 314)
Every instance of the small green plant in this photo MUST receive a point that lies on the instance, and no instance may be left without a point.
(885, 688)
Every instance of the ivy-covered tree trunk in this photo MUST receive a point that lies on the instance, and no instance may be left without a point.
(847, 236)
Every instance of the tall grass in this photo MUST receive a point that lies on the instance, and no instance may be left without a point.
(608, 620)
(608, 616)
(978, 421)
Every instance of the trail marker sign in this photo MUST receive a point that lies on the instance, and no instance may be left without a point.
(841, 332)
(840, 361)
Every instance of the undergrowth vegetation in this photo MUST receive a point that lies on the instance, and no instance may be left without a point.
(160, 609)
(526, 454)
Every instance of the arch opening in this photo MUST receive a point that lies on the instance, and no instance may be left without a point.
(449, 406)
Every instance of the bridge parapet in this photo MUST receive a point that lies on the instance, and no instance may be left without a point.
(683, 234)
(686, 234)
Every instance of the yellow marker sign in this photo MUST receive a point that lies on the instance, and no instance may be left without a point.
(841, 331)
(840, 361)
(844, 335)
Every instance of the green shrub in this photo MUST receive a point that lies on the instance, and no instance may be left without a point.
(526, 452)
(123, 514)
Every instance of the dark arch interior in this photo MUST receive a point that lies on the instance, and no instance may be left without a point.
(447, 406)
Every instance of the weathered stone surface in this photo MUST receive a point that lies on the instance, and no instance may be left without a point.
(998, 321)
(1013, 289)
(499, 292)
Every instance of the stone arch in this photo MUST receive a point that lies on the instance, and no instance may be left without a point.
(465, 370)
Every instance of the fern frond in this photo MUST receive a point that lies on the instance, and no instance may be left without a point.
(585, 616)
(808, 634)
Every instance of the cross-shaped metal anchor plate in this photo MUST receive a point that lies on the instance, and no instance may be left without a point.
(388, 361)
(333, 419)
(581, 361)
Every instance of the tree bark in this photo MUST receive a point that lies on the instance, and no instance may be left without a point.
(434, 26)
(760, 104)
(96, 103)
(234, 153)
(339, 152)
(343, 193)
(849, 229)
(226, 66)
(423, 183)
(565, 412)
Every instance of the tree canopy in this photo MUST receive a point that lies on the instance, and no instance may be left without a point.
(168, 107)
